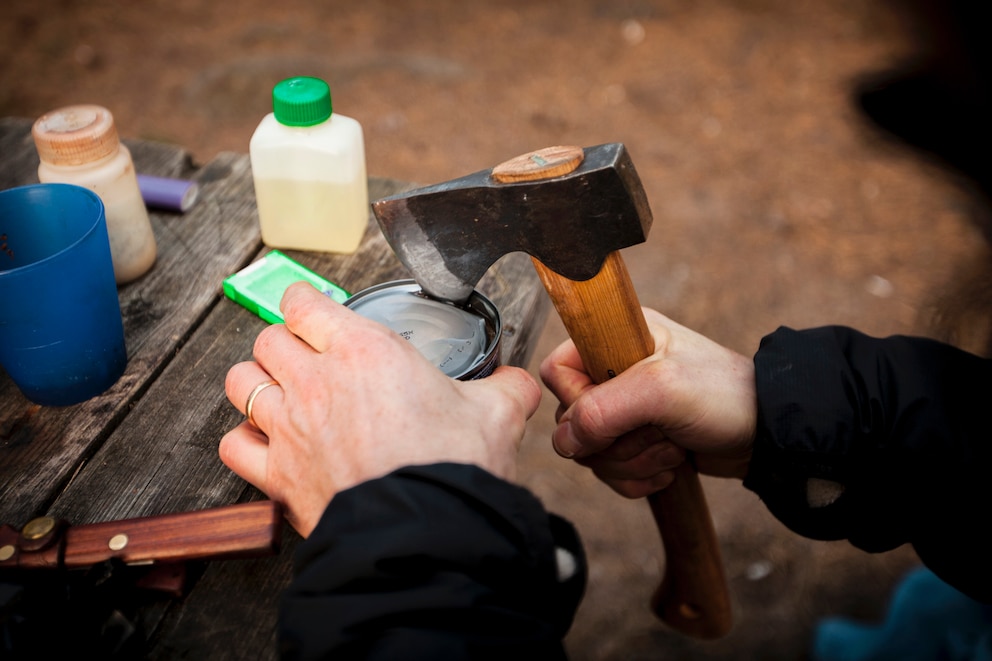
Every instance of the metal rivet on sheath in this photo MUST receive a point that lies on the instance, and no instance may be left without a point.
(7, 552)
(117, 542)
(38, 528)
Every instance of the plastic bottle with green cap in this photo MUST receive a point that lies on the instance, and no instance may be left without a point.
(308, 166)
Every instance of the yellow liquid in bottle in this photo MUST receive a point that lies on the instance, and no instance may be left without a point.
(312, 215)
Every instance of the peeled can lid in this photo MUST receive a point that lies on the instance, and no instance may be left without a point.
(453, 338)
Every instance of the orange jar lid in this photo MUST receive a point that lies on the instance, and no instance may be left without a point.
(75, 135)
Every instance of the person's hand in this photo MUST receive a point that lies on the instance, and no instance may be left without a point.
(355, 401)
(633, 430)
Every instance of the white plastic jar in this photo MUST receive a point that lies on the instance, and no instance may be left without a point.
(79, 145)
(308, 167)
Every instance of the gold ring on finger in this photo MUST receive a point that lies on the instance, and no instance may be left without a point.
(251, 400)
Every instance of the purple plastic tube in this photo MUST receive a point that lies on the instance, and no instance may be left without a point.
(168, 193)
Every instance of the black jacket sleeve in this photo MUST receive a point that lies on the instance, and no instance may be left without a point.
(433, 562)
(900, 423)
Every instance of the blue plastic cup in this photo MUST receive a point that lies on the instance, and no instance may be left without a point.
(61, 330)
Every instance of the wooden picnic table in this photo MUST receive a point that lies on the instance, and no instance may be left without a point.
(148, 445)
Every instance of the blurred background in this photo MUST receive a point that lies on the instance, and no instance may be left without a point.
(776, 199)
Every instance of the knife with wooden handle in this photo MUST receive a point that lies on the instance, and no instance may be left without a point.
(234, 531)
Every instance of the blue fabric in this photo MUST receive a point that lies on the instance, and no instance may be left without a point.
(928, 620)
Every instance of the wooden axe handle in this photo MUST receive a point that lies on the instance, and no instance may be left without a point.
(604, 319)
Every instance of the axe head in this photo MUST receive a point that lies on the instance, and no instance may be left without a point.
(450, 233)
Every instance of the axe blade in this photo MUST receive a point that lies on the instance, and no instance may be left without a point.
(449, 234)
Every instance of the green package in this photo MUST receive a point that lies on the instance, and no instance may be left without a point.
(260, 285)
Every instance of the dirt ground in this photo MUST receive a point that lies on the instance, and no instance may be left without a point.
(774, 201)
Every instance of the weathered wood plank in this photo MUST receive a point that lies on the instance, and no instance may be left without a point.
(42, 447)
(232, 612)
(18, 158)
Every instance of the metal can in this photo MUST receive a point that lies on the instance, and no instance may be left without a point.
(462, 340)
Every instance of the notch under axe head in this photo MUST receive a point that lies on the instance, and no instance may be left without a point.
(449, 234)
(572, 209)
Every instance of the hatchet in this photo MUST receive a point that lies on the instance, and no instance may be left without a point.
(572, 210)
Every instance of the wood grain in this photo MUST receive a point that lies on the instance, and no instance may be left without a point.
(604, 319)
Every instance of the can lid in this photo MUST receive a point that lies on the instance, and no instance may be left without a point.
(452, 338)
(301, 101)
(75, 135)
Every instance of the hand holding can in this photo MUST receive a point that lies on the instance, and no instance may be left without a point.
(337, 399)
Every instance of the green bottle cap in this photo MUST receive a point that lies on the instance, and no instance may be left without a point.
(301, 101)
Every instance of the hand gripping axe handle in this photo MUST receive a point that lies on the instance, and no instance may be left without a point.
(571, 209)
